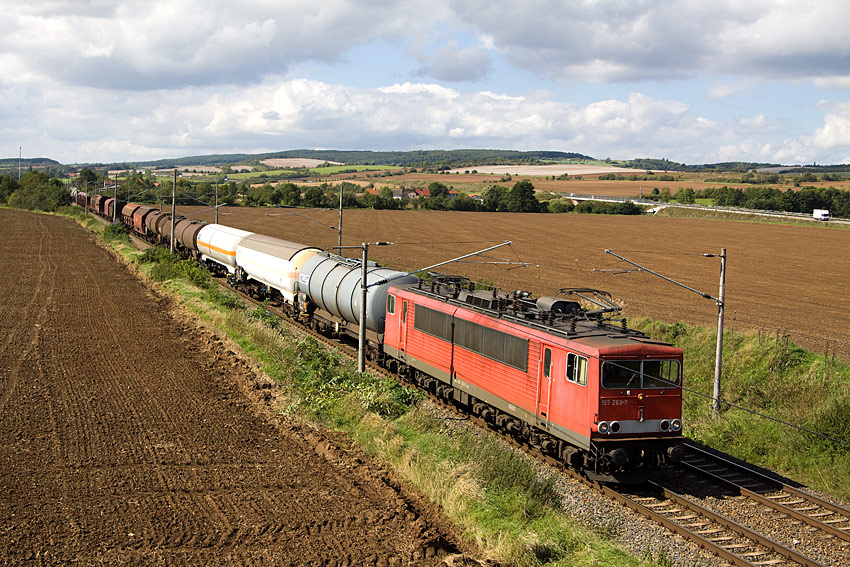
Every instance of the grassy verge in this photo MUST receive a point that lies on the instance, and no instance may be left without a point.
(773, 376)
(494, 494)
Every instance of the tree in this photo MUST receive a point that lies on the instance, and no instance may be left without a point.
(290, 194)
(86, 179)
(495, 198)
(313, 197)
(521, 198)
(560, 206)
(38, 192)
(438, 189)
(8, 185)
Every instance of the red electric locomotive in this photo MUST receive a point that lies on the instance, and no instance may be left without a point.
(601, 397)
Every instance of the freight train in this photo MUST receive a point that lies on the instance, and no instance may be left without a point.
(559, 373)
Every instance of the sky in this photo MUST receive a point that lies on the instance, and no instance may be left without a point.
(689, 81)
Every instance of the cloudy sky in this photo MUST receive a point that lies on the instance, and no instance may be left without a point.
(690, 81)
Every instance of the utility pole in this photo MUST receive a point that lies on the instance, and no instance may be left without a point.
(216, 203)
(339, 227)
(173, 207)
(361, 337)
(718, 359)
(115, 199)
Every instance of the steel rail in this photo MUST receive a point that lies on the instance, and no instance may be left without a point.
(840, 514)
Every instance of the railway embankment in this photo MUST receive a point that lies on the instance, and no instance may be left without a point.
(783, 400)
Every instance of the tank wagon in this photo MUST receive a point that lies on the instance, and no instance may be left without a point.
(554, 372)
(217, 247)
(330, 291)
(269, 267)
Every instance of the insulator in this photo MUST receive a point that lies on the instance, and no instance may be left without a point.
(623, 324)
(573, 326)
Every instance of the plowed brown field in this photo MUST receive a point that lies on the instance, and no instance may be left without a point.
(130, 436)
(785, 277)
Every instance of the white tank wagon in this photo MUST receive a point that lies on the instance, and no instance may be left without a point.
(217, 246)
(272, 262)
(332, 283)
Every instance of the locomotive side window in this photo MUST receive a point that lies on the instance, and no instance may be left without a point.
(577, 369)
(640, 374)
(482, 340)
(390, 304)
(547, 363)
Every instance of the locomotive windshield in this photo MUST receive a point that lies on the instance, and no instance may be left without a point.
(640, 374)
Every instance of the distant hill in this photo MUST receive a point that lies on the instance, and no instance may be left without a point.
(419, 158)
(663, 164)
(9, 166)
(423, 159)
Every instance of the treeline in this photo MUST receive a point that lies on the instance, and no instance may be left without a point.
(35, 191)
(664, 164)
(803, 200)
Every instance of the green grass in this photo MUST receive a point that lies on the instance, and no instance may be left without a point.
(772, 376)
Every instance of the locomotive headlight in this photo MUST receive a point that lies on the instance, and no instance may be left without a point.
(676, 425)
(664, 425)
(614, 427)
(602, 427)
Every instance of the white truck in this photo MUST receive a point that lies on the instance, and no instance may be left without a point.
(821, 214)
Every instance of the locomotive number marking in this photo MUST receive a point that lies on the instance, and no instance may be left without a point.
(614, 402)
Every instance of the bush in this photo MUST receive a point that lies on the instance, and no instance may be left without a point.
(116, 232)
(167, 266)
(43, 197)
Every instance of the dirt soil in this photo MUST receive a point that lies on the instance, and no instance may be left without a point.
(780, 278)
(128, 435)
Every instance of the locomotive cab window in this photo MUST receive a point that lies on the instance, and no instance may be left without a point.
(547, 363)
(577, 369)
(640, 374)
(390, 304)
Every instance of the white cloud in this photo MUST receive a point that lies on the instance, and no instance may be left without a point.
(839, 82)
(632, 41)
(835, 132)
(279, 114)
(140, 45)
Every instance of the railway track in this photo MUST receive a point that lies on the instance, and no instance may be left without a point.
(720, 535)
(714, 532)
